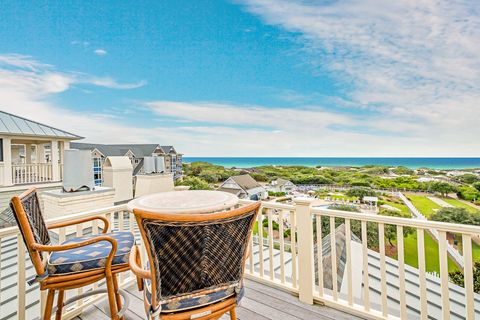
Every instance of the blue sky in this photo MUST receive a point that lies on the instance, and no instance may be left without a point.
(250, 78)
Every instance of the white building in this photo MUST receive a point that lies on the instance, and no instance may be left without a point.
(136, 153)
(31, 154)
(245, 187)
(282, 185)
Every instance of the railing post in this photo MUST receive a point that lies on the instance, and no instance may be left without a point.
(306, 281)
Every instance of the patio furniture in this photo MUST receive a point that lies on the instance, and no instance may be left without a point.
(76, 262)
(185, 202)
(195, 262)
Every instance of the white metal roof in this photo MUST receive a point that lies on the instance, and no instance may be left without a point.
(15, 125)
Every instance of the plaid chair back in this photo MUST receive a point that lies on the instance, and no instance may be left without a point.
(27, 213)
(194, 257)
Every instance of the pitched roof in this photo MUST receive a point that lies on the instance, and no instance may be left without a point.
(282, 182)
(246, 182)
(15, 125)
(139, 150)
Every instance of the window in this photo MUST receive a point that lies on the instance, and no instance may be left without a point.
(97, 171)
(1, 150)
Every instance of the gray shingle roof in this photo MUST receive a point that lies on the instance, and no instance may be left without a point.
(139, 150)
(15, 125)
(246, 182)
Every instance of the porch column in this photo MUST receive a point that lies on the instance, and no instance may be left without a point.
(7, 162)
(40, 153)
(54, 157)
(28, 153)
(306, 271)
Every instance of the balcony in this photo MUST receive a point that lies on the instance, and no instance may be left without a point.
(292, 277)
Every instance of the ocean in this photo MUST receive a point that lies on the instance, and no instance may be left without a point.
(413, 163)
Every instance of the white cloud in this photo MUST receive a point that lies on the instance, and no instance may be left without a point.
(113, 84)
(100, 52)
(413, 64)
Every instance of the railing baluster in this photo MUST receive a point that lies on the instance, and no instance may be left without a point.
(348, 239)
(468, 276)
(401, 272)
(282, 246)
(21, 283)
(366, 286)
(293, 247)
(383, 273)
(318, 219)
(260, 241)
(270, 244)
(333, 258)
(79, 290)
(250, 258)
(442, 248)
(421, 273)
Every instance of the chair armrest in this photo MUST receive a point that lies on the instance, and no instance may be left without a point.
(134, 261)
(63, 247)
(106, 224)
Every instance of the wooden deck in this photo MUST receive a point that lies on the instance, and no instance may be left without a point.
(259, 303)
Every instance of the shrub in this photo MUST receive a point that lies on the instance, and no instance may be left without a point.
(344, 207)
(361, 192)
(468, 193)
(195, 183)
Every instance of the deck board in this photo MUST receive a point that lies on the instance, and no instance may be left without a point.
(261, 302)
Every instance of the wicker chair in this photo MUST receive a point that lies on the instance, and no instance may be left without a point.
(76, 262)
(195, 262)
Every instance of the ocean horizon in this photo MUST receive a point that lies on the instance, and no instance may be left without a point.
(413, 163)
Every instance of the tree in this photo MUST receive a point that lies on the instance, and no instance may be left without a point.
(195, 183)
(391, 230)
(361, 192)
(442, 187)
(476, 185)
(468, 178)
(455, 215)
(458, 278)
(468, 193)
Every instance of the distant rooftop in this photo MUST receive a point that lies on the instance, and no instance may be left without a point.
(14, 125)
(139, 150)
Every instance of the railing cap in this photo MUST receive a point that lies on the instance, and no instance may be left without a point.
(303, 201)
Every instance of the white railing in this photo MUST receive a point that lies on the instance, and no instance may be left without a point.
(292, 253)
(452, 251)
(20, 301)
(368, 282)
(32, 173)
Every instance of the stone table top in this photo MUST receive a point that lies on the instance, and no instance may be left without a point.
(185, 202)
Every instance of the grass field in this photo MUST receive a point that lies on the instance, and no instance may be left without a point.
(426, 206)
(431, 253)
(404, 209)
(459, 204)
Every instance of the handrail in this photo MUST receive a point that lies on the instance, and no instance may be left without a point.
(405, 222)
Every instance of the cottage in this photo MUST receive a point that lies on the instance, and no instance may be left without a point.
(282, 185)
(245, 187)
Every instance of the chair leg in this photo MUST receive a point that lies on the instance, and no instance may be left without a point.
(111, 297)
(61, 296)
(117, 295)
(233, 314)
(47, 315)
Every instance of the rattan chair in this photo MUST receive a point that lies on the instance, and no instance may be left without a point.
(76, 262)
(195, 262)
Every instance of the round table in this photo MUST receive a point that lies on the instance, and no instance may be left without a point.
(185, 202)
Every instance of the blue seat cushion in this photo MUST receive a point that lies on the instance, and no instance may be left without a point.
(91, 257)
(191, 302)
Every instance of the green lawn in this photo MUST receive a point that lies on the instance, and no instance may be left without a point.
(459, 204)
(431, 253)
(424, 205)
(255, 230)
(405, 211)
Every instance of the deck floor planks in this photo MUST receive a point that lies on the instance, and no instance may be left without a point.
(261, 302)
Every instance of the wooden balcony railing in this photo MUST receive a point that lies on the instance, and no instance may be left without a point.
(32, 173)
(290, 251)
